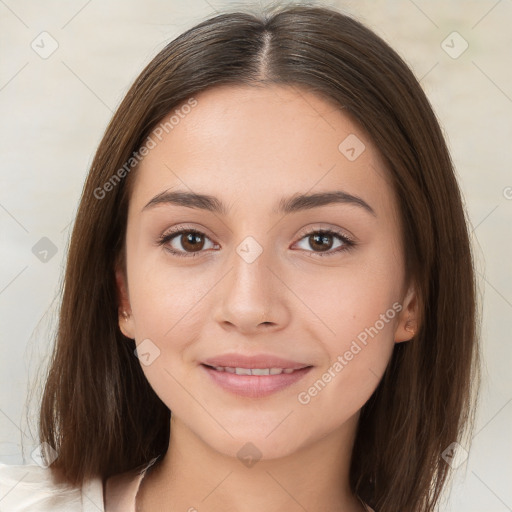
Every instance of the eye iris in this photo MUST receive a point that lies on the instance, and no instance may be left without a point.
(189, 241)
(320, 239)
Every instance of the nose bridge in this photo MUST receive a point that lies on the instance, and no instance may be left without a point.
(249, 294)
(251, 260)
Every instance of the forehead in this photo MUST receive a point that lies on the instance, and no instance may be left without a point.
(246, 143)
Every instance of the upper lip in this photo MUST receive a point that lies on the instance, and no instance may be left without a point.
(256, 361)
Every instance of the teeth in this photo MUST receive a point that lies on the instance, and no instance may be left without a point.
(254, 371)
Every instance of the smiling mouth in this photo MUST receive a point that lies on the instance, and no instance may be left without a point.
(254, 382)
(254, 371)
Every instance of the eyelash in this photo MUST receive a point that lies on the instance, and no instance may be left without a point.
(179, 230)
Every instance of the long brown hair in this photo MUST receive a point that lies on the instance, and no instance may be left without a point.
(98, 410)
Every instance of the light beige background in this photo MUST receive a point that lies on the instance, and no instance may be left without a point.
(54, 111)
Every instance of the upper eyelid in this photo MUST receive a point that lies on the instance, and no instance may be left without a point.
(334, 231)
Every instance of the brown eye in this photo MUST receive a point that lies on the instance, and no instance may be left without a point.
(321, 241)
(192, 241)
(184, 242)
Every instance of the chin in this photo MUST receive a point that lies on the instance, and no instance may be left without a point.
(254, 444)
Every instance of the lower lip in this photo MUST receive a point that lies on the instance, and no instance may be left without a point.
(255, 386)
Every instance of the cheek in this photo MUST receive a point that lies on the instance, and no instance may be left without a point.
(168, 311)
(165, 298)
(358, 311)
(353, 300)
(338, 391)
(358, 354)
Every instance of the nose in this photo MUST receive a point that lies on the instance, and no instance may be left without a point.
(251, 298)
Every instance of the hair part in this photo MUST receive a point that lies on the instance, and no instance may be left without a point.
(99, 411)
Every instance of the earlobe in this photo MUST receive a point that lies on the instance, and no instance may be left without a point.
(407, 326)
(125, 318)
(125, 323)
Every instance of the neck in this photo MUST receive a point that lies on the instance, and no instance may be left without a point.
(192, 476)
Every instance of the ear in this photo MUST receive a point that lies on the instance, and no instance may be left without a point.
(125, 317)
(407, 324)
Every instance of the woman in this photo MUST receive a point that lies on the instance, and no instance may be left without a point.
(269, 297)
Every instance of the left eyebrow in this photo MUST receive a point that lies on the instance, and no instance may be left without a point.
(295, 203)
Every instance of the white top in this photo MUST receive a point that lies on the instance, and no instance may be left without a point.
(31, 488)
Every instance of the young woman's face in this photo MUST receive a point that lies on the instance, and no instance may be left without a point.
(260, 279)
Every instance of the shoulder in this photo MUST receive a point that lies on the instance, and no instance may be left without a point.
(25, 488)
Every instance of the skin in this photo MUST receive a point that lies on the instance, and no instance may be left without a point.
(249, 146)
